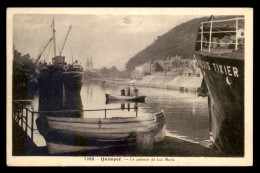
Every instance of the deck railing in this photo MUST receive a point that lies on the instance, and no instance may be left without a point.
(19, 108)
(89, 110)
(20, 119)
(210, 32)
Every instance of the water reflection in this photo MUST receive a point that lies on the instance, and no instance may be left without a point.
(60, 100)
(123, 106)
(63, 103)
(128, 107)
(186, 115)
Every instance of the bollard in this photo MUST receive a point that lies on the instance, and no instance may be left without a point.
(32, 126)
(144, 142)
(105, 113)
(136, 112)
(160, 136)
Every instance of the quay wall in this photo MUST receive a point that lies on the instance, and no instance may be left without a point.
(186, 83)
(180, 82)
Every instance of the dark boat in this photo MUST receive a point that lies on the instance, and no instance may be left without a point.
(70, 135)
(123, 101)
(58, 77)
(50, 83)
(220, 55)
(125, 98)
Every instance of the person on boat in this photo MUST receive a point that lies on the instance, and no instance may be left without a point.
(136, 92)
(128, 91)
(123, 92)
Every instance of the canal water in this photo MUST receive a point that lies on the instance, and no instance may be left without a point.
(186, 114)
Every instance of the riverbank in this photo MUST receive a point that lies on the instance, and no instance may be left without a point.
(180, 82)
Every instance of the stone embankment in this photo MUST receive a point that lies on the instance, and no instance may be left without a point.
(180, 82)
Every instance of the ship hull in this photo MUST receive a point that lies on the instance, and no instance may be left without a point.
(73, 80)
(224, 78)
(50, 90)
(125, 98)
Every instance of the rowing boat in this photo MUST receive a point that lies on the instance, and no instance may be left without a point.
(70, 135)
(126, 98)
(123, 101)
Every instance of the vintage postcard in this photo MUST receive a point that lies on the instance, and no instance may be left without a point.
(129, 87)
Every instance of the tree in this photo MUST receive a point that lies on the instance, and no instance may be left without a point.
(125, 74)
(104, 72)
(113, 72)
(158, 67)
(176, 62)
(114, 69)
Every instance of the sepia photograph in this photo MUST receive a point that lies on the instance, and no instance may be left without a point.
(129, 87)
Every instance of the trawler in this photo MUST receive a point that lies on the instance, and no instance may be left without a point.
(58, 76)
(220, 55)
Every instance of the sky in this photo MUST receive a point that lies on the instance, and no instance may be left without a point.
(108, 39)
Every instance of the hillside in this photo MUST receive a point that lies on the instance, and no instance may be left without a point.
(180, 40)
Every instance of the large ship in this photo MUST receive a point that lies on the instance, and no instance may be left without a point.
(220, 55)
(58, 79)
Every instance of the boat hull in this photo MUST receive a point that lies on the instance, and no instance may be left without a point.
(125, 98)
(66, 135)
(224, 78)
(73, 80)
(50, 90)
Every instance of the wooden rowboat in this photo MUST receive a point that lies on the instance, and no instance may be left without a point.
(69, 135)
(123, 101)
(126, 98)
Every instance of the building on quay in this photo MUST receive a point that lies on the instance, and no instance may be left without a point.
(169, 67)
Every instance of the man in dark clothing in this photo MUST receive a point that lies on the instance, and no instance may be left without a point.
(136, 91)
(123, 92)
(128, 91)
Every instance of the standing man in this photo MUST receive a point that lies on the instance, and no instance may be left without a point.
(136, 92)
(123, 92)
(128, 91)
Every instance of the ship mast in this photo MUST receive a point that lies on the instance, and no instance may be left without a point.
(65, 40)
(54, 42)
